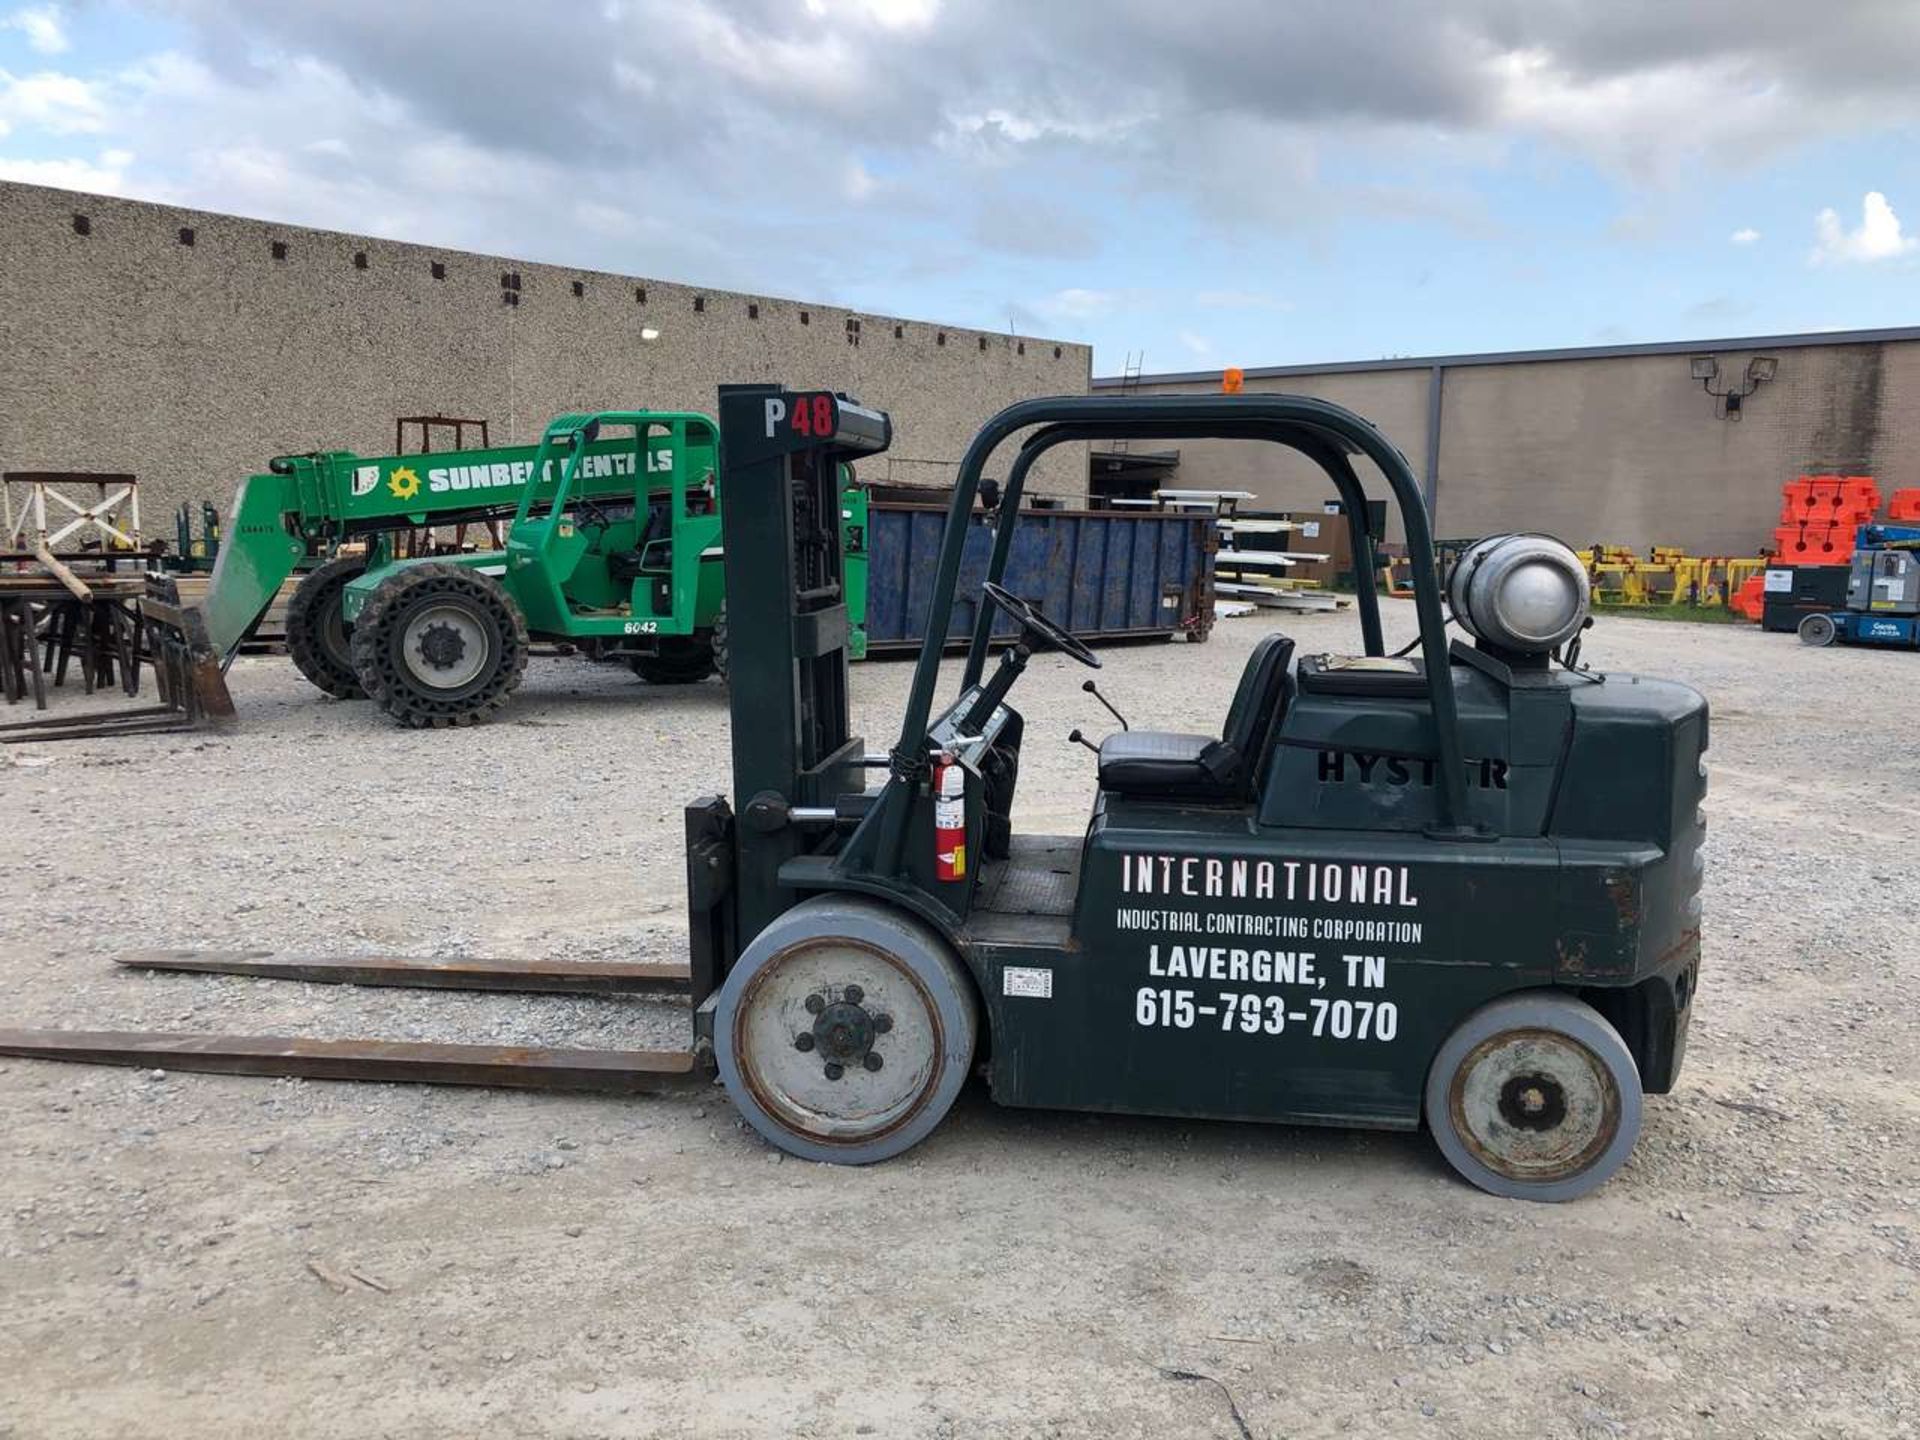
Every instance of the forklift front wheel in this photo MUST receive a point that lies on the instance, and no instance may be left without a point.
(1535, 1097)
(845, 1031)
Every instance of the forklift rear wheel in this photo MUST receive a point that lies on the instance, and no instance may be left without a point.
(845, 1031)
(1818, 630)
(439, 645)
(319, 641)
(1535, 1097)
(682, 662)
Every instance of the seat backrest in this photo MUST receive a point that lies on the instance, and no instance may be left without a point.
(1256, 707)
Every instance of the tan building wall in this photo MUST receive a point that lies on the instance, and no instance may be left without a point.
(125, 349)
(1624, 448)
(1394, 400)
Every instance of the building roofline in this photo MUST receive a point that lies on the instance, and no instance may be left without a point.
(1529, 357)
(87, 199)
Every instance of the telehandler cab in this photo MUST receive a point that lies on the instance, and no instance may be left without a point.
(1460, 887)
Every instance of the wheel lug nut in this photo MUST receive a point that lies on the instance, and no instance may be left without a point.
(834, 1070)
(855, 994)
(803, 1042)
(872, 1061)
(882, 1024)
(815, 1004)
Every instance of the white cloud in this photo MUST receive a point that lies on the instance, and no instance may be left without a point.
(59, 104)
(1197, 344)
(1746, 235)
(985, 132)
(858, 183)
(1238, 300)
(177, 78)
(106, 175)
(1878, 237)
(1644, 121)
(742, 131)
(887, 14)
(1077, 304)
(631, 78)
(616, 221)
(41, 25)
(821, 69)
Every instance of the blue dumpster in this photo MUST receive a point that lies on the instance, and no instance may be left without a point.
(1104, 574)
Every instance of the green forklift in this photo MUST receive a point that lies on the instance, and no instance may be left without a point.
(1458, 886)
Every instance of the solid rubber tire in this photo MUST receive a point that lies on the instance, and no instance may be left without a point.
(1817, 630)
(722, 644)
(1538, 1010)
(932, 961)
(683, 667)
(313, 600)
(387, 684)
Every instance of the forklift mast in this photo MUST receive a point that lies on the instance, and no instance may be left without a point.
(793, 756)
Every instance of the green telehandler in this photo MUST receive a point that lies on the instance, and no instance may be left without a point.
(612, 549)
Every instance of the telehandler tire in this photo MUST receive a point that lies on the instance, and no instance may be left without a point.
(686, 662)
(1535, 1097)
(845, 1031)
(440, 645)
(722, 643)
(319, 642)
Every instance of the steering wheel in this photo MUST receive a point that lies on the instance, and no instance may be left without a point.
(592, 514)
(1027, 616)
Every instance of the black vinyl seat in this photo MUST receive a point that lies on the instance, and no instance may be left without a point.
(1167, 765)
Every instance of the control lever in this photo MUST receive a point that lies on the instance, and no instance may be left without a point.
(1094, 690)
(1076, 738)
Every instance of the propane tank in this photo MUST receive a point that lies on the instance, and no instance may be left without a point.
(949, 819)
(1522, 593)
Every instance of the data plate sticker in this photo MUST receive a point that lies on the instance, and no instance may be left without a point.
(1024, 980)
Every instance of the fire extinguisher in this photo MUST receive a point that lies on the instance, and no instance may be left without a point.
(949, 819)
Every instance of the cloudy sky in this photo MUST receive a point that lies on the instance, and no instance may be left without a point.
(1203, 183)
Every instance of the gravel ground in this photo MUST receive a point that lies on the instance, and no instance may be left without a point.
(576, 1266)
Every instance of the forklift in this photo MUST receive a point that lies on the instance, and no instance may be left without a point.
(1458, 886)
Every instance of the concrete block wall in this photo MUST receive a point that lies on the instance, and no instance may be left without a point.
(1632, 451)
(1395, 401)
(191, 364)
(1625, 449)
